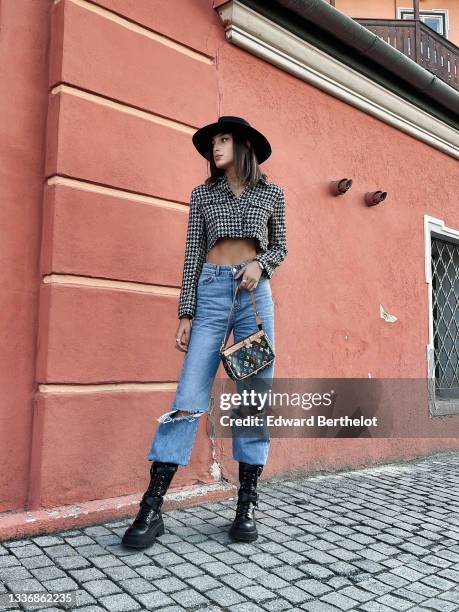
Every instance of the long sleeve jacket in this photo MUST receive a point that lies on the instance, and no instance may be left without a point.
(215, 211)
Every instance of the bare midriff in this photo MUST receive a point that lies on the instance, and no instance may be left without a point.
(231, 251)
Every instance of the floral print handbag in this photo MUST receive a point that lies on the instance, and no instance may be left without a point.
(250, 355)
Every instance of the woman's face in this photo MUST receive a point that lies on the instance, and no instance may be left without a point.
(222, 149)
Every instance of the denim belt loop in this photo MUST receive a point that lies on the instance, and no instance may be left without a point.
(217, 270)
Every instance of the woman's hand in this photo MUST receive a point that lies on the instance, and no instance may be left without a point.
(250, 276)
(182, 337)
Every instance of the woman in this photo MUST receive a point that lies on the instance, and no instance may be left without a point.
(226, 245)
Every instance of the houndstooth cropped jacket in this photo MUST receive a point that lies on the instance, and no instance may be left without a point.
(215, 211)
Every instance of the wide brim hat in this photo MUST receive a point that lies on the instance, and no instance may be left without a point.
(202, 138)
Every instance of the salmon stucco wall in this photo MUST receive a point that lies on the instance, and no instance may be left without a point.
(24, 38)
(111, 197)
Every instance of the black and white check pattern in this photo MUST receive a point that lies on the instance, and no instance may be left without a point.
(259, 212)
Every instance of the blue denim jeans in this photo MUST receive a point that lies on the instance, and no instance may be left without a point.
(175, 436)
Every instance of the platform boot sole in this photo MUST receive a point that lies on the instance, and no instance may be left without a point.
(243, 536)
(146, 539)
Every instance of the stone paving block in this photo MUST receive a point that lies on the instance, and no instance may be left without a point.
(24, 585)
(151, 572)
(36, 562)
(118, 572)
(319, 606)
(58, 585)
(211, 547)
(272, 581)
(343, 569)
(236, 580)
(155, 600)
(90, 550)
(294, 594)
(449, 574)
(91, 609)
(120, 603)
(251, 570)
(134, 586)
(406, 593)
(440, 604)
(257, 593)
(204, 583)
(9, 561)
(48, 573)
(217, 568)
(135, 560)
(28, 550)
(189, 598)
(15, 543)
(313, 586)
(277, 605)
(397, 603)
(99, 588)
(183, 547)
(339, 600)
(246, 607)
(374, 586)
(60, 550)
(47, 540)
(288, 573)
(359, 595)
(375, 606)
(79, 540)
(224, 596)
(230, 557)
(102, 561)
(391, 579)
(436, 582)
(184, 570)
(98, 530)
(72, 562)
(338, 582)
(170, 584)
(83, 575)
(107, 540)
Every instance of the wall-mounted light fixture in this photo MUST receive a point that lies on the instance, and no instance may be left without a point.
(375, 197)
(341, 186)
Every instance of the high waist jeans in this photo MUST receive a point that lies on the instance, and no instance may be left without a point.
(175, 436)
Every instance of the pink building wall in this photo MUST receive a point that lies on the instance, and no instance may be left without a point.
(98, 167)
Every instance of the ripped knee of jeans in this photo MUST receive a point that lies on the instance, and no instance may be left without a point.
(171, 416)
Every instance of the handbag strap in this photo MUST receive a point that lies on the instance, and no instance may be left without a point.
(258, 318)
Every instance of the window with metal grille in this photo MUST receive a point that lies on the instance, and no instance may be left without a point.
(445, 310)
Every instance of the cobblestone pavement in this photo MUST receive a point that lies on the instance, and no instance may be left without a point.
(372, 540)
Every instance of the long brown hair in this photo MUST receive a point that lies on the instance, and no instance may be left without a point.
(245, 162)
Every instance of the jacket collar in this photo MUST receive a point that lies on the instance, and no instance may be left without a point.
(222, 184)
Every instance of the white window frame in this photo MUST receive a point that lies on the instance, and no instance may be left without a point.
(444, 12)
(436, 228)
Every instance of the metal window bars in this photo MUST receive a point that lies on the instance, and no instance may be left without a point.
(445, 307)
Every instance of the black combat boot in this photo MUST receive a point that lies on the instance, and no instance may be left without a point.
(149, 522)
(244, 527)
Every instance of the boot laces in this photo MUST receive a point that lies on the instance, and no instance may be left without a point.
(247, 495)
(152, 499)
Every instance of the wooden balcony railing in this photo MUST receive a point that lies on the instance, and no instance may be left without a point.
(420, 43)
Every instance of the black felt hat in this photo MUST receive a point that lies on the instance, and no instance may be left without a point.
(203, 137)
